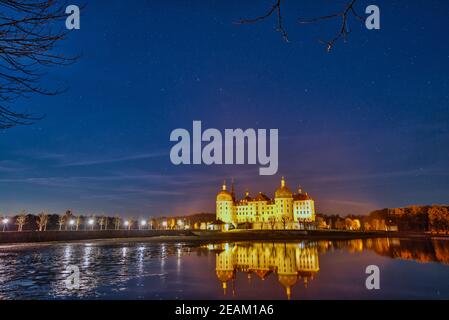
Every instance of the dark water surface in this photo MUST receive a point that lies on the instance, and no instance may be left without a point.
(409, 269)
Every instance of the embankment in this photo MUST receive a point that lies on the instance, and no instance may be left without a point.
(48, 236)
(179, 235)
(202, 236)
(243, 235)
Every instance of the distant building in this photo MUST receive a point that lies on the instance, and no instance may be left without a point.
(287, 210)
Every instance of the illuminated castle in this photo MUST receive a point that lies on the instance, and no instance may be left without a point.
(288, 210)
(290, 262)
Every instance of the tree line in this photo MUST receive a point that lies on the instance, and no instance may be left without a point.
(68, 221)
(430, 218)
(433, 218)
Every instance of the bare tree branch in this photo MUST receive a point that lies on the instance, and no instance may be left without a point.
(275, 8)
(29, 31)
(344, 30)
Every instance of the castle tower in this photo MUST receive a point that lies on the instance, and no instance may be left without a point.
(287, 269)
(224, 268)
(225, 206)
(284, 202)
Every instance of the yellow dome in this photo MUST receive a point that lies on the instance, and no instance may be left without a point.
(225, 275)
(283, 191)
(287, 280)
(224, 195)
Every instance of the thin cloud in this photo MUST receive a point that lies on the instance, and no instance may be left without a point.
(11, 166)
(112, 160)
(381, 175)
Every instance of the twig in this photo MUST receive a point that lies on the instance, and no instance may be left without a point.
(344, 29)
(275, 8)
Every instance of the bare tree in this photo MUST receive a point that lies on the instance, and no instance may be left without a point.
(272, 222)
(276, 10)
(29, 32)
(130, 222)
(77, 223)
(285, 219)
(42, 221)
(117, 222)
(101, 222)
(68, 216)
(21, 220)
(61, 221)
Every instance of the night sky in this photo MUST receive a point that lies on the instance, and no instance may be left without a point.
(360, 128)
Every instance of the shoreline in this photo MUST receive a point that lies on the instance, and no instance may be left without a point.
(57, 237)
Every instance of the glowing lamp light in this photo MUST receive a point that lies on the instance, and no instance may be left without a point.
(72, 222)
(126, 223)
(164, 224)
(91, 221)
(5, 222)
(143, 223)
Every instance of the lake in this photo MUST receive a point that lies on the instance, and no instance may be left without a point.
(409, 269)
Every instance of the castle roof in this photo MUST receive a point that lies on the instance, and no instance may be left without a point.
(283, 191)
(261, 197)
(262, 274)
(301, 196)
(224, 195)
(247, 198)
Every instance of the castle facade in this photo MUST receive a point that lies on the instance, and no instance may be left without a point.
(287, 210)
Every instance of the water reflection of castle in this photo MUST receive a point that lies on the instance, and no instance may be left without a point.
(291, 262)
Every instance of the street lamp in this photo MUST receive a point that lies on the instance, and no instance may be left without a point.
(164, 224)
(91, 223)
(5, 222)
(143, 223)
(71, 223)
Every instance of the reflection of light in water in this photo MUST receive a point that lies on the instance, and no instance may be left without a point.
(38, 273)
(140, 258)
(87, 254)
(67, 253)
(287, 261)
(178, 259)
(163, 256)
